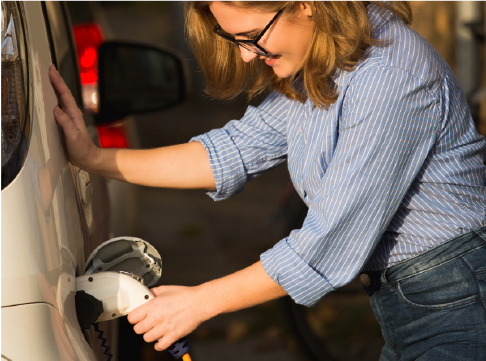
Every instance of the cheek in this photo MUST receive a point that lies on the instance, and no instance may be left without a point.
(295, 42)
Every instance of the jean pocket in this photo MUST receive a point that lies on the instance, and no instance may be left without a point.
(449, 285)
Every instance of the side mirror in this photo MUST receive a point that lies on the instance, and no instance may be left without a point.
(135, 78)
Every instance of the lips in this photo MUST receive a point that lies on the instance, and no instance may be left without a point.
(270, 61)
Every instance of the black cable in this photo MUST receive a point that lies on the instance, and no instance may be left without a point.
(103, 344)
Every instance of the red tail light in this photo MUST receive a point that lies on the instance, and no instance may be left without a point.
(89, 37)
(113, 135)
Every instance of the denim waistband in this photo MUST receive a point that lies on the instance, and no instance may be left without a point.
(442, 253)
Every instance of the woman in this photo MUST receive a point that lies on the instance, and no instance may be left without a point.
(380, 145)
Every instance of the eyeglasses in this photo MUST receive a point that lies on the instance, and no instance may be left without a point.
(250, 45)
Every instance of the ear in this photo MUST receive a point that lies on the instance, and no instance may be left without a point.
(306, 8)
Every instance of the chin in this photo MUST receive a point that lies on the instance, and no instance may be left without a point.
(283, 71)
(282, 74)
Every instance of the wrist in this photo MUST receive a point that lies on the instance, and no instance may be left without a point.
(211, 305)
(95, 164)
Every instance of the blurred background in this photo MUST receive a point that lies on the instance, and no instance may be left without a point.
(200, 240)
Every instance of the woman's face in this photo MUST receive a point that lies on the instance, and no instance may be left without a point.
(286, 41)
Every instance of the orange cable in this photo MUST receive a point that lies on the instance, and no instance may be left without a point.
(186, 357)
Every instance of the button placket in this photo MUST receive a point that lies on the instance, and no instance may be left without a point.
(303, 135)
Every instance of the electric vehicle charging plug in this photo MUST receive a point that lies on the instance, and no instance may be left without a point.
(117, 275)
(108, 295)
(119, 293)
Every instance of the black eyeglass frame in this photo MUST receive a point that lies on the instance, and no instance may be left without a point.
(217, 29)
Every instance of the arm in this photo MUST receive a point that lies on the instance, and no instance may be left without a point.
(180, 166)
(176, 311)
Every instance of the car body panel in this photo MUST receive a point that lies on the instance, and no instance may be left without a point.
(95, 215)
(54, 214)
(44, 335)
(42, 235)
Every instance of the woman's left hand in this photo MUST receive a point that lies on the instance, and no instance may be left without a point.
(174, 312)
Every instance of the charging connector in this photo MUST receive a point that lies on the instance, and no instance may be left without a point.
(119, 293)
(118, 273)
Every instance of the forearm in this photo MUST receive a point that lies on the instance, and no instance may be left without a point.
(246, 288)
(179, 166)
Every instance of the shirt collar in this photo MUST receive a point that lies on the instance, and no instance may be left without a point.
(378, 17)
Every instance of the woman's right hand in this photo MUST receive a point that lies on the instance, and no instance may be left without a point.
(81, 150)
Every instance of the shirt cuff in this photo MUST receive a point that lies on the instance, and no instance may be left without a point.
(284, 265)
(226, 164)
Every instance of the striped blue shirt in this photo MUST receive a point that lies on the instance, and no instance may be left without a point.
(391, 169)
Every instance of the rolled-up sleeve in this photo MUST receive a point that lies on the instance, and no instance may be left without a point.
(246, 148)
(388, 124)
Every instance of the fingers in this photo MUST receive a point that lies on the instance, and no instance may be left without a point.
(155, 334)
(165, 342)
(164, 338)
(66, 99)
(172, 314)
(143, 326)
(64, 121)
(137, 315)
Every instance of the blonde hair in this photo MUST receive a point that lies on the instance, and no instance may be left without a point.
(341, 37)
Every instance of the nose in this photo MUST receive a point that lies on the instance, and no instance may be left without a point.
(247, 55)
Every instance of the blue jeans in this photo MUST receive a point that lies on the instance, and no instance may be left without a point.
(432, 307)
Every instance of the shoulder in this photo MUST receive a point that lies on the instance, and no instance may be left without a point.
(407, 52)
(406, 65)
(404, 75)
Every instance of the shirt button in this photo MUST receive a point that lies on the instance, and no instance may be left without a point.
(364, 279)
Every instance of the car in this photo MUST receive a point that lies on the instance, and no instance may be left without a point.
(55, 214)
